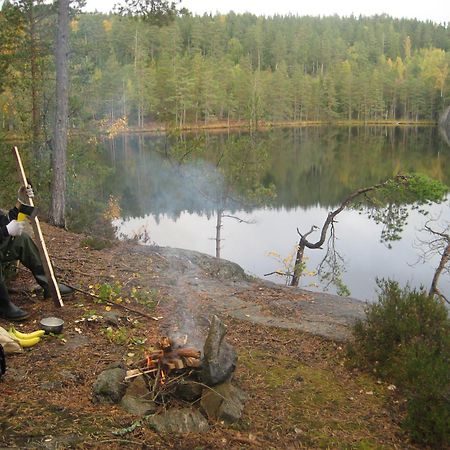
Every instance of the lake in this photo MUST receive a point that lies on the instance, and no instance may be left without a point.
(171, 190)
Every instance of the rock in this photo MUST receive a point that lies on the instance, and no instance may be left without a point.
(137, 387)
(224, 402)
(188, 391)
(179, 421)
(116, 364)
(111, 318)
(138, 406)
(137, 398)
(219, 357)
(110, 386)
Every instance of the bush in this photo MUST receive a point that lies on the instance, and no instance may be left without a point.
(405, 339)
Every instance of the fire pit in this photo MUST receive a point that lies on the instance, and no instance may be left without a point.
(173, 375)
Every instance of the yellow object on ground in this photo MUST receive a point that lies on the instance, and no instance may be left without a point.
(20, 335)
(24, 343)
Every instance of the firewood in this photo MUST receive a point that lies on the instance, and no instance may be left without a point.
(133, 373)
(192, 362)
(188, 352)
(178, 363)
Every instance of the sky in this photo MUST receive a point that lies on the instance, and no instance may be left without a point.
(435, 10)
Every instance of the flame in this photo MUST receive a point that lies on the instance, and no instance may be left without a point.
(163, 377)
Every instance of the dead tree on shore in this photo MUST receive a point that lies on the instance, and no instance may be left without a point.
(385, 203)
(438, 245)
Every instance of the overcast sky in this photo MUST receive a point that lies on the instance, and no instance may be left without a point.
(435, 10)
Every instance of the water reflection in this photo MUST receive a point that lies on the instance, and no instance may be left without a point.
(312, 169)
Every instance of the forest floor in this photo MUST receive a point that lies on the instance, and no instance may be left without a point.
(291, 347)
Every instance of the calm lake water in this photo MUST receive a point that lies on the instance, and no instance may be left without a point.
(171, 189)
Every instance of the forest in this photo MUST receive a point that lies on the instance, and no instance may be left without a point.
(222, 69)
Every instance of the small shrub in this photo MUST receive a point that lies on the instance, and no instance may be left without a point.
(405, 339)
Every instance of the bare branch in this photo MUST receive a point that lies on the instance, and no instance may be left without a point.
(239, 219)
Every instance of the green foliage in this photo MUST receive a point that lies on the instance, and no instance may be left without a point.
(157, 12)
(119, 336)
(109, 292)
(389, 204)
(406, 340)
(228, 67)
(414, 188)
(144, 297)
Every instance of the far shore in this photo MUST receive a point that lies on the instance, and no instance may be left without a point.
(221, 126)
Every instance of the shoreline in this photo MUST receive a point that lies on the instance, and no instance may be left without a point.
(235, 126)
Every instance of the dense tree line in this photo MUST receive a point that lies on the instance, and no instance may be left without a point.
(201, 69)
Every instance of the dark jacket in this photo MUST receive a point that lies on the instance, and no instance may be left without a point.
(4, 220)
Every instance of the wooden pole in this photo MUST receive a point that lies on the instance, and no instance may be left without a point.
(46, 263)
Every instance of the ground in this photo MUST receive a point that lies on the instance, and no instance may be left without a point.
(290, 344)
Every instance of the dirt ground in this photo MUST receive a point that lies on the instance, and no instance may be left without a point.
(290, 344)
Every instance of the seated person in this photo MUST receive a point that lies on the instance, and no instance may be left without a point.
(15, 244)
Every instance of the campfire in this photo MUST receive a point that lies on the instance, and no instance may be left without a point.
(169, 358)
(176, 374)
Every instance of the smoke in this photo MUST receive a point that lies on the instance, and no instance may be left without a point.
(153, 183)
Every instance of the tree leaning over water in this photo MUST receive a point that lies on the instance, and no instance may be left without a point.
(386, 202)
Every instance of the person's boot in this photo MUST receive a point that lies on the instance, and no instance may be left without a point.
(41, 279)
(8, 310)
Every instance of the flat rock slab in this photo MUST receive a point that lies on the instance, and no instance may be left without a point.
(179, 421)
(193, 274)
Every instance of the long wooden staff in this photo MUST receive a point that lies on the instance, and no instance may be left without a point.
(48, 269)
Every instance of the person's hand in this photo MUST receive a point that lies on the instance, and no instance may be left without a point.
(24, 193)
(15, 228)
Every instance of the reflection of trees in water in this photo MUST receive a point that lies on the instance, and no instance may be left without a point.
(202, 176)
(444, 125)
(308, 166)
(166, 175)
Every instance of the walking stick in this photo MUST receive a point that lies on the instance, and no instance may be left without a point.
(48, 269)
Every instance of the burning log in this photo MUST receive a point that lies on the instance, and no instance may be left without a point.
(162, 361)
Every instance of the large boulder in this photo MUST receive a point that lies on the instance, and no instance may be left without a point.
(219, 357)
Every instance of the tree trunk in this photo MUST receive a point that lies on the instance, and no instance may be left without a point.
(34, 77)
(434, 290)
(59, 158)
(218, 232)
(298, 267)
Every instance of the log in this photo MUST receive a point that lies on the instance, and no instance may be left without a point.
(187, 352)
(178, 364)
(133, 373)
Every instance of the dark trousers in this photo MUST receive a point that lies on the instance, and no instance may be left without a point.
(20, 248)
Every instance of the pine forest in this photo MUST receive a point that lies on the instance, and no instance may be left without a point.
(223, 69)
